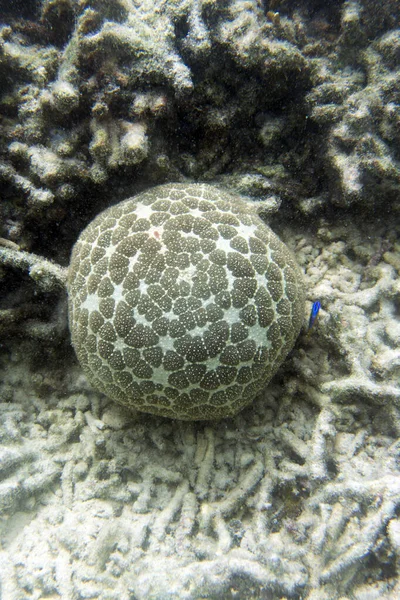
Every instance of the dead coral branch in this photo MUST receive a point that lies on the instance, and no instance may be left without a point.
(48, 275)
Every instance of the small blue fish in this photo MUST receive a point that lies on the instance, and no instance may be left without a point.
(314, 313)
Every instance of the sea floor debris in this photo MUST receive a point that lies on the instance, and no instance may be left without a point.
(298, 496)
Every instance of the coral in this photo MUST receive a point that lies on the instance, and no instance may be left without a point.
(146, 85)
(36, 197)
(358, 105)
(251, 42)
(47, 275)
(120, 90)
(183, 302)
(116, 144)
(376, 21)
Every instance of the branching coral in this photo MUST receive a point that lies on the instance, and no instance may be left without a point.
(124, 91)
(359, 107)
(48, 275)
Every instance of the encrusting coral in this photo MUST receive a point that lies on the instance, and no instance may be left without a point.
(183, 303)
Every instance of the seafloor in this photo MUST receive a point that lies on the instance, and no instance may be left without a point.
(296, 105)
